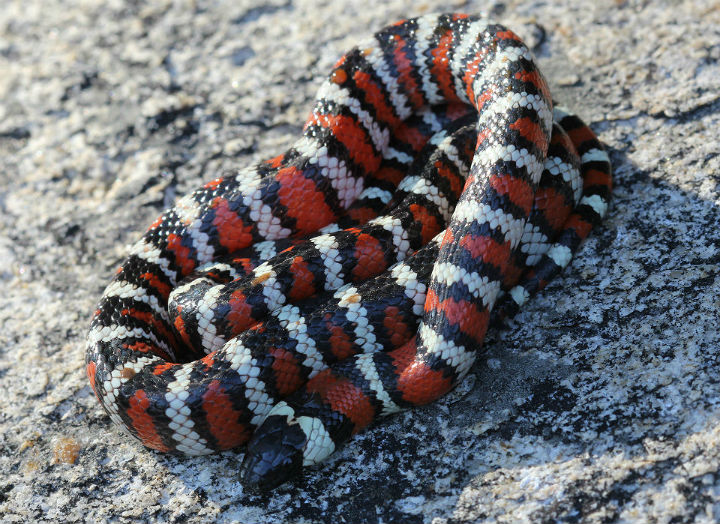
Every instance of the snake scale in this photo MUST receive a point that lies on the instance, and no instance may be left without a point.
(286, 306)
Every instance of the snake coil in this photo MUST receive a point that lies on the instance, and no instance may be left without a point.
(291, 304)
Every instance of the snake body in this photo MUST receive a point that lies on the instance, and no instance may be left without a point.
(291, 304)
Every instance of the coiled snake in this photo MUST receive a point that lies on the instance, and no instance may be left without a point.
(291, 304)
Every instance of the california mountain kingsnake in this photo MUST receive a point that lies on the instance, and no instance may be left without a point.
(436, 132)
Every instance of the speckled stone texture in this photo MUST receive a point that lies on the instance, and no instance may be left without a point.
(599, 403)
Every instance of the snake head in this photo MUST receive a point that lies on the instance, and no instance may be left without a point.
(291, 437)
(274, 454)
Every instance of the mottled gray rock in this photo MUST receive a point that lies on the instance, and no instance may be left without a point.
(600, 403)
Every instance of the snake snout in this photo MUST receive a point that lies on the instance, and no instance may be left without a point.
(274, 454)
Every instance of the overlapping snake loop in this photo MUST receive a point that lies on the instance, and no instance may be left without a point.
(291, 304)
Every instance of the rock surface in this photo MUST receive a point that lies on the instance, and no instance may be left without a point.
(600, 403)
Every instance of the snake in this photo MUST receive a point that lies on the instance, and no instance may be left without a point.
(283, 307)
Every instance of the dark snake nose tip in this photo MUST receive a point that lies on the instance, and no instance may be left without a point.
(274, 454)
(254, 476)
